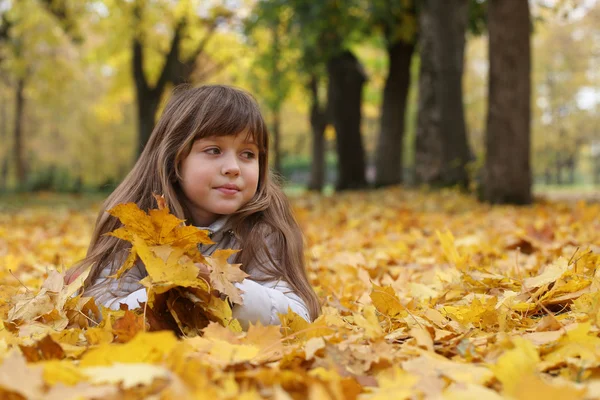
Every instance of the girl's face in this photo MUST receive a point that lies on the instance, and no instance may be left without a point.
(219, 176)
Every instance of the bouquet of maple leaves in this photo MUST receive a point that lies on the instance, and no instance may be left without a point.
(186, 291)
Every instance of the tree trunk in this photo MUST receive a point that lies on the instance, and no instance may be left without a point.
(4, 140)
(318, 123)
(19, 142)
(548, 176)
(388, 161)
(570, 164)
(442, 148)
(147, 101)
(507, 167)
(559, 169)
(174, 71)
(428, 141)
(346, 80)
(275, 126)
(597, 170)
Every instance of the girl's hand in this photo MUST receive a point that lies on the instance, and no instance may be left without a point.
(203, 271)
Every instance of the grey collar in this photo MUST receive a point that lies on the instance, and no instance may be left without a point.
(218, 228)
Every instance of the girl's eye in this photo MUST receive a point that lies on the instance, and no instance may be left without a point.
(249, 155)
(212, 151)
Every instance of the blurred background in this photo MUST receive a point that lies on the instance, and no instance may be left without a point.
(357, 94)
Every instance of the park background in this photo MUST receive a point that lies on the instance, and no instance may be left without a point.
(82, 82)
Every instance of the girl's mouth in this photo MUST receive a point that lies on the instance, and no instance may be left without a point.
(228, 189)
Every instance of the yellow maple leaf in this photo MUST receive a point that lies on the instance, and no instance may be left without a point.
(97, 335)
(268, 339)
(61, 371)
(155, 227)
(295, 327)
(580, 342)
(430, 364)
(369, 322)
(394, 383)
(386, 302)
(450, 251)
(175, 270)
(549, 274)
(145, 347)
(221, 310)
(514, 364)
(223, 274)
(533, 387)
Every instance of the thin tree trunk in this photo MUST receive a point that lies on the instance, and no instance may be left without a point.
(428, 141)
(318, 123)
(19, 140)
(442, 150)
(507, 167)
(597, 170)
(4, 140)
(148, 98)
(559, 169)
(346, 80)
(571, 166)
(388, 161)
(147, 101)
(451, 61)
(275, 126)
(548, 176)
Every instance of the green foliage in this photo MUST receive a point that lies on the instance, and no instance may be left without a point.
(396, 19)
(58, 179)
(477, 24)
(273, 69)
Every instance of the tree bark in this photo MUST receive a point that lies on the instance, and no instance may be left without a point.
(318, 123)
(346, 80)
(388, 161)
(4, 139)
(507, 167)
(19, 140)
(428, 140)
(442, 150)
(597, 170)
(148, 97)
(275, 126)
(571, 169)
(548, 176)
(559, 169)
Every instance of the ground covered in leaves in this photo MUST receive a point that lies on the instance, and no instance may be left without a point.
(425, 295)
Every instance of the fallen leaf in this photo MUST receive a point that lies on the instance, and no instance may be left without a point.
(223, 274)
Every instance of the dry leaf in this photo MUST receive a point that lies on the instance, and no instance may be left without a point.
(223, 275)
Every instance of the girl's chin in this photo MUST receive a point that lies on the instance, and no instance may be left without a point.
(226, 210)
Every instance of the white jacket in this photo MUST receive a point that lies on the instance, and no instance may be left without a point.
(262, 301)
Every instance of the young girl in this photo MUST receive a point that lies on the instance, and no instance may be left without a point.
(208, 155)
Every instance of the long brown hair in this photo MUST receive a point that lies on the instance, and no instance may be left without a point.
(190, 114)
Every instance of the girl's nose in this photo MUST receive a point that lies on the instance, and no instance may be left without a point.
(230, 166)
